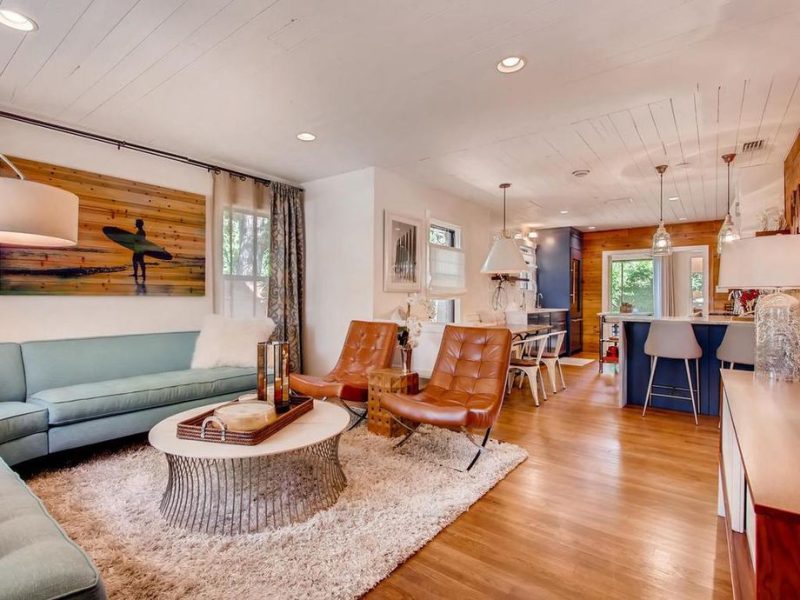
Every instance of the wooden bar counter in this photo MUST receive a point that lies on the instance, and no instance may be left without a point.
(760, 484)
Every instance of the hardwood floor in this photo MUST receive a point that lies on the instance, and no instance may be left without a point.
(608, 505)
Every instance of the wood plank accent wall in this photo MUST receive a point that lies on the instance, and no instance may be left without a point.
(791, 179)
(173, 220)
(596, 242)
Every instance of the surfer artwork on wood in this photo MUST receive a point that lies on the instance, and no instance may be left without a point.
(133, 239)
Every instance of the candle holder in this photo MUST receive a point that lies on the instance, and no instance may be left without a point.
(262, 362)
(280, 378)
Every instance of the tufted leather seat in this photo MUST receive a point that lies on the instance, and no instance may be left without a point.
(467, 384)
(369, 345)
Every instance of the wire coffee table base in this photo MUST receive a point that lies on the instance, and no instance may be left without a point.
(245, 495)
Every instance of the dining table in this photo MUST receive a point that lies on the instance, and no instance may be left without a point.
(520, 332)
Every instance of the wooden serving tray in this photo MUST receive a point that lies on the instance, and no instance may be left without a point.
(191, 429)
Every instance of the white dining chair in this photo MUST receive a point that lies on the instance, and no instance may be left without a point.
(552, 361)
(526, 360)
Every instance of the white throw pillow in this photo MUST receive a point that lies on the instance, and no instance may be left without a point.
(225, 342)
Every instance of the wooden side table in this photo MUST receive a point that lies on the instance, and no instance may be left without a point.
(379, 421)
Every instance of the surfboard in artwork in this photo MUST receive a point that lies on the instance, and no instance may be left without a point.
(136, 243)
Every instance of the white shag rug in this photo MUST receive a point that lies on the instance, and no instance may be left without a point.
(395, 502)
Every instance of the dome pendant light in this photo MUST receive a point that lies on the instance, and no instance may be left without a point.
(35, 214)
(503, 260)
(662, 242)
(728, 232)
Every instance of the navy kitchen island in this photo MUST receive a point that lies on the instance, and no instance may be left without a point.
(634, 369)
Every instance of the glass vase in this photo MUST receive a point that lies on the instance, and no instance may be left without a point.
(405, 358)
(778, 337)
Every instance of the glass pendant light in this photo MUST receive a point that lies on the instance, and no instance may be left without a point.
(662, 242)
(728, 232)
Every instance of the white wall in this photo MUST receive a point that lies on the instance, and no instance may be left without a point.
(759, 188)
(339, 263)
(400, 195)
(344, 258)
(404, 196)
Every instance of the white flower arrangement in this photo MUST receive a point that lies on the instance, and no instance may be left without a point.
(415, 311)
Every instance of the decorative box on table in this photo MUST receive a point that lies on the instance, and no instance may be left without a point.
(379, 421)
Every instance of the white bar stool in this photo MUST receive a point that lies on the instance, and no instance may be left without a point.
(738, 347)
(673, 339)
(526, 357)
(552, 361)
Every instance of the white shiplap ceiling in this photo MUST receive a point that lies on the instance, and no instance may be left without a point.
(614, 86)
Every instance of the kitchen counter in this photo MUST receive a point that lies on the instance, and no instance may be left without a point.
(634, 364)
(758, 485)
(709, 319)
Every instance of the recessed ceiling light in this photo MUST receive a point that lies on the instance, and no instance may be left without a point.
(592, 227)
(511, 64)
(673, 198)
(681, 218)
(305, 136)
(564, 212)
(15, 20)
(581, 172)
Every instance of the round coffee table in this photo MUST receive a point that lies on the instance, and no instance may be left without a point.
(226, 488)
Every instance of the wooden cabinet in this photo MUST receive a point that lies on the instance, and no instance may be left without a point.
(559, 256)
(760, 485)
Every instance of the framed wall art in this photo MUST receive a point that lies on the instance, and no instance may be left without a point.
(402, 253)
(134, 239)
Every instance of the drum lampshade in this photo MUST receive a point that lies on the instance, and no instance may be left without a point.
(35, 214)
(761, 263)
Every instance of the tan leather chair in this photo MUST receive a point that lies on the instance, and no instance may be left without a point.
(466, 388)
(368, 345)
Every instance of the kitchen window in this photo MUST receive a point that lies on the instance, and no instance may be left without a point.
(630, 284)
(675, 285)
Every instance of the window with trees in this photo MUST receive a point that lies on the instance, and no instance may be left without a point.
(631, 285)
(245, 262)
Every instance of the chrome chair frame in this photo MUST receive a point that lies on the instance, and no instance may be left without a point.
(674, 388)
(480, 446)
(356, 417)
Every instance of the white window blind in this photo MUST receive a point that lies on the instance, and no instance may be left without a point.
(447, 271)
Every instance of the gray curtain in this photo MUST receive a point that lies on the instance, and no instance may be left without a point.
(287, 268)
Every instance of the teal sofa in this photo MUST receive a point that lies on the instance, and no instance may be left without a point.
(37, 559)
(63, 394)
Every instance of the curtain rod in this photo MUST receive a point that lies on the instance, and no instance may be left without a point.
(120, 144)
